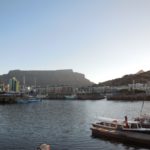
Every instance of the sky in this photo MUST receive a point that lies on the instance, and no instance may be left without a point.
(103, 39)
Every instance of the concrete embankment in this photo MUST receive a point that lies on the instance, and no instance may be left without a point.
(83, 96)
(131, 97)
(90, 96)
(8, 99)
(55, 96)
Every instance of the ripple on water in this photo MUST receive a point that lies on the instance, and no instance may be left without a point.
(65, 125)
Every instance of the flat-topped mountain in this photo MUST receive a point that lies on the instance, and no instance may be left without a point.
(140, 77)
(47, 78)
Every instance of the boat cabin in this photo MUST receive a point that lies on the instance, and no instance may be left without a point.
(118, 124)
(132, 125)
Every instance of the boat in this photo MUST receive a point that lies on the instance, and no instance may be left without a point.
(70, 97)
(144, 119)
(122, 130)
(28, 100)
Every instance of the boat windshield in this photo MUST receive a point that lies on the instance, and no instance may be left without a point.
(139, 125)
(133, 125)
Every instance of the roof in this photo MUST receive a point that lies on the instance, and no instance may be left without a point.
(113, 120)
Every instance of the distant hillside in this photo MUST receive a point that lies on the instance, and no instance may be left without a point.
(140, 77)
(48, 78)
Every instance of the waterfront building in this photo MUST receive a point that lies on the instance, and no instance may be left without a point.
(1, 87)
(6, 87)
(14, 85)
(66, 90)
(139, 86)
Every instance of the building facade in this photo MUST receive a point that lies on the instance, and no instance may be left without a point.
(14, 85)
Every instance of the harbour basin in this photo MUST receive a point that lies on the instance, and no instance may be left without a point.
(64, 124)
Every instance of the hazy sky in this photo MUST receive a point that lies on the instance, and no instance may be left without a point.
(103, 39)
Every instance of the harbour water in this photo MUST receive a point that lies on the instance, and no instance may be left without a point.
(65, 125)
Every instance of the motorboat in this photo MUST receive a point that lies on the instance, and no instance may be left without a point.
(70, 97)
(144, 119)
(122, 130)
(122, 125)
(28, 100)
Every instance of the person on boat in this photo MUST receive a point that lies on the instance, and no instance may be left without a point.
(126, 122)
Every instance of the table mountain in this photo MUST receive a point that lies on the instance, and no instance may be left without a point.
(47, 78)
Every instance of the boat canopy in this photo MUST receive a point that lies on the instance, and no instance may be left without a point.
(112, 120)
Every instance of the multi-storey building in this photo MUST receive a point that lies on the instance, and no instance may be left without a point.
(14, 85)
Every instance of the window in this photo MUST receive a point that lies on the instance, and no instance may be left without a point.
(133, 125)
(113, 125)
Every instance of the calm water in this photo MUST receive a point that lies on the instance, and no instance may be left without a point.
(63, 124)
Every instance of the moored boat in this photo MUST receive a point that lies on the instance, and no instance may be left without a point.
(122, 130)
(71, 97)
(144, 120)
(26, 101)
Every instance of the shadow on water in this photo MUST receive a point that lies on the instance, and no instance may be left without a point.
(126, 144)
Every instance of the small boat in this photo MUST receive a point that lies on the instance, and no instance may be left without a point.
(71, 97)
(26, 101)
(122, 130)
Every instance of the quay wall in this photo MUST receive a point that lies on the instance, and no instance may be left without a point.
(85, 96)
(133, 97)
(8, 99)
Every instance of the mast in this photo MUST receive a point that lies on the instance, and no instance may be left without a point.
(142, 108)
(133, 86)
(35, 85)
(24, 83)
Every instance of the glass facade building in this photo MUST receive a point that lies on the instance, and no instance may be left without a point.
(14, 85)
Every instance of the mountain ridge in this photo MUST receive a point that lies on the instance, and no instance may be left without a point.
(139, 77)
(46, 78)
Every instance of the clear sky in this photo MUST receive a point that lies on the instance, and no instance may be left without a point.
(103, 39)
